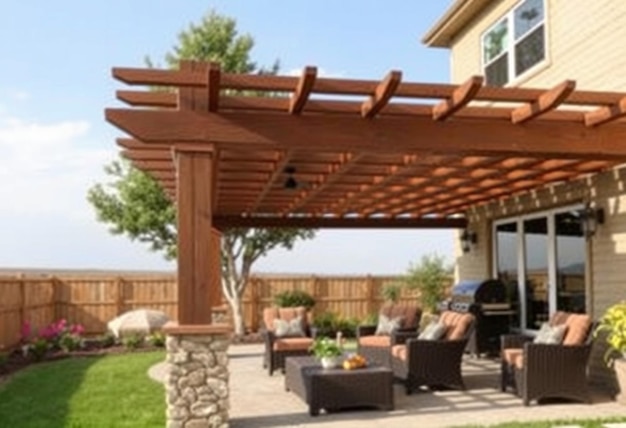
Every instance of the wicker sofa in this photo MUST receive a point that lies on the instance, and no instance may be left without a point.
(277, 347)
(376, 348)
(540, 370)
(434, 363)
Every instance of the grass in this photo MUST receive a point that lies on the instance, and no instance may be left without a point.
(110, 391)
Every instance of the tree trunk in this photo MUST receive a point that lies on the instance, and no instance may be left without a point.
(229, 289)
(238, 320)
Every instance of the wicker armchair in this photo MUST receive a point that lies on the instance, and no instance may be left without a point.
(538, 370)
(434, 363)
(376, 348)
(278, 348)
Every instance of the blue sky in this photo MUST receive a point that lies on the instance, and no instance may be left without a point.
(55, 62)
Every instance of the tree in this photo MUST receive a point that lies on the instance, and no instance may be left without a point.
(136, 206)
(430, 277)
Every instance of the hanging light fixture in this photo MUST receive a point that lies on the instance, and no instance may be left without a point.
(290, 182)
(468, 240)
(590, 218)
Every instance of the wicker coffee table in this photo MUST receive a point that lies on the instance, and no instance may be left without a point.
(334, 389)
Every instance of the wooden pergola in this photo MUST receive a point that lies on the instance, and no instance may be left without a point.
(238, 150)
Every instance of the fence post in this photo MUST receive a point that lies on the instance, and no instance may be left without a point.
(369, 284)
(22, 291)
(119, 295)
(254, 304)
(54, 282)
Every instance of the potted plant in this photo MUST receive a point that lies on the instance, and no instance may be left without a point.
(327, 351)
(613, 325)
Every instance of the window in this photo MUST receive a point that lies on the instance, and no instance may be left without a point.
(514, 44)
(541, 259)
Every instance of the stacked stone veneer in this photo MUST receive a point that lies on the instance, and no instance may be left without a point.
(197, 381)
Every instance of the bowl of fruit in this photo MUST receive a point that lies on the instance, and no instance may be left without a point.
(354, 361)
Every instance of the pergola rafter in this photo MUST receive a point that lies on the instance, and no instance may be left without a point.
(392, 154)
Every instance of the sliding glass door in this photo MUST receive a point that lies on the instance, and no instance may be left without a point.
(541, 259)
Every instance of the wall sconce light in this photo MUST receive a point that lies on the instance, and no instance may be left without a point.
(590, 218)
(291, 182)
(468, 240)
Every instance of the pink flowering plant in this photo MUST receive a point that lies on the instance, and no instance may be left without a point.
(57, 335)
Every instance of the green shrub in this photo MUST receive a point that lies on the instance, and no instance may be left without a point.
(370, 319)
(133, 341)
(107, 340)
(392, 291)
(157, 339)
(293, 298)
(329, 323)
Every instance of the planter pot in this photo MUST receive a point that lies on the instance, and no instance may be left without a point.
(620, 375)
(329, 362)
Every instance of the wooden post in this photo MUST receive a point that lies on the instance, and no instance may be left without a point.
(195, 187)
(56, 291)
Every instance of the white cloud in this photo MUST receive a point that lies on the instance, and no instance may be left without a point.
(321, 72)
(47, 168)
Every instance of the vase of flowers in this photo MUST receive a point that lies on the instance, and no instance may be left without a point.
(327, 351)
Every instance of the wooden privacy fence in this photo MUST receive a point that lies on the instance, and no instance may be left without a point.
(93, 300)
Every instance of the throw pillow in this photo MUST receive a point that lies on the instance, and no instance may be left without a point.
(386, 325)
(433, 331)
(292, 328)
(551, 335)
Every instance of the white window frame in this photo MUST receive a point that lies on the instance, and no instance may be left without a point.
(521, 251)
(511, 43)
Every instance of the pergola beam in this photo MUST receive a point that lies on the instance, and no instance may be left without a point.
(226, 222)
(547, 101)
(606, 114)
(303, 90)
(383, 93)
(460, 98)
(385, 135)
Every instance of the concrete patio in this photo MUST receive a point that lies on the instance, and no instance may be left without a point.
(258, 400)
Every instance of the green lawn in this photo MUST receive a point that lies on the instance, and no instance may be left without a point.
(111, 391)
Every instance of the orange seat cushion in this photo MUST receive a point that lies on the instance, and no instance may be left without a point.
(375, 340)
(292, 343)
(511, 354)
(399, 351)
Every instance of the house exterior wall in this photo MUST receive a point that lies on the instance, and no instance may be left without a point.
(584, 43)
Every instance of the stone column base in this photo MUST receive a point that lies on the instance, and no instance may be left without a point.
(196, 383)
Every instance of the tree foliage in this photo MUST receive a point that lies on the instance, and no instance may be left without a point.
(134, 204)
(430, 276)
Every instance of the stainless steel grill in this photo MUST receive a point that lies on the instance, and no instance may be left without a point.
(487, 301)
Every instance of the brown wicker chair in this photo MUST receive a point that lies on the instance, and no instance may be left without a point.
(278, 348)
(377, 348)
(536, 370)
(434, 363)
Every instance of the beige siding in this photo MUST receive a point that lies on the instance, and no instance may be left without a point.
(585, 43)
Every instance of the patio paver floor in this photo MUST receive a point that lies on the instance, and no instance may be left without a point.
(260, 401)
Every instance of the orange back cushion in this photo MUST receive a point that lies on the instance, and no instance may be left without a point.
(410, 314)
(457, 324)
(287, 314)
